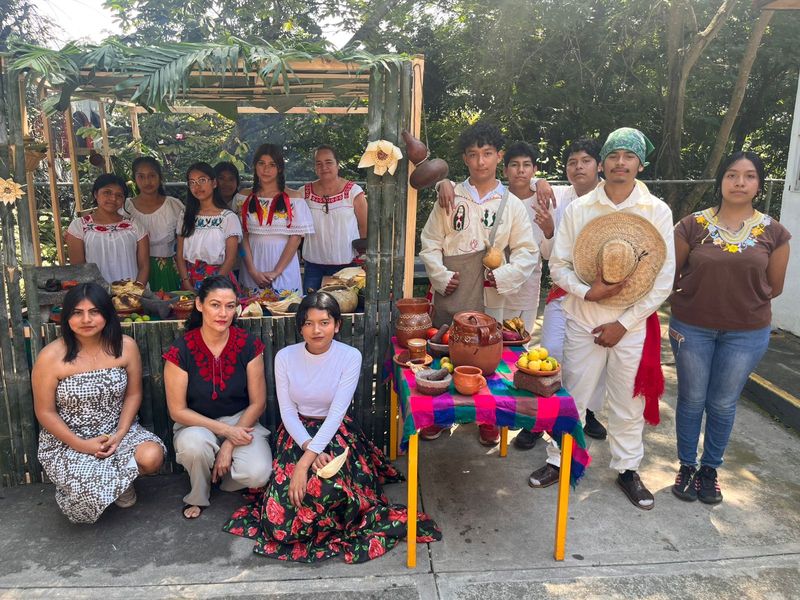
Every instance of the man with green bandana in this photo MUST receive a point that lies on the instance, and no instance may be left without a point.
(603, 344)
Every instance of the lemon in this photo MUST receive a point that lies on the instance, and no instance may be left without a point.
(535, 365)
(543, 353)
(522, 361)
(533, 354)
(449, 366)
(444, 360)
(145, 317)
(553, 362)
(545, 366)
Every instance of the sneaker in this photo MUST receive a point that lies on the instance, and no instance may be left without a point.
(635, 490)
(594, 428)
(127, 498)
(707, 485)
(526, 440)
(488, 435)
(684, 487)
(430, 433)
(544, 476)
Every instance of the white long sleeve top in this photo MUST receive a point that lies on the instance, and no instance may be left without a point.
(316, 385)
(586, 208)
(466, 229)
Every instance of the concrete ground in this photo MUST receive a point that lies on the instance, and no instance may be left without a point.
(498, 533)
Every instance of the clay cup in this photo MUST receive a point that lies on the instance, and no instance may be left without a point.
(468, 380)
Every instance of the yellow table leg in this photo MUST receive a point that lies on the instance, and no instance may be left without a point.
(563, 497)
(411, 523)
(393, 424)
(503, 441)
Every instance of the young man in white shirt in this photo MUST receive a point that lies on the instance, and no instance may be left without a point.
(603, 345)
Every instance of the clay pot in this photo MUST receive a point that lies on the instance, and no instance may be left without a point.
(468, 380)
(428, 172)
(414, 320)
(476, 339)
(416, 151)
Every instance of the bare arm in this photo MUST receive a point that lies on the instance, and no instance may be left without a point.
(180, 264)
(231, 250)
(289, 252)
(776, 269)
(76, 251)
(133, 395)
(143, 260)
(681, 256)
(360, 208)
(257, 276)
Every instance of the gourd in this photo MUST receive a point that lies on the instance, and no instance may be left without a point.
(493, 257)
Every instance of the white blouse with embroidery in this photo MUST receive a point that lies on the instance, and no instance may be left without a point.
(112, 246)
(160, 225)
(335, 226)
(207, 242)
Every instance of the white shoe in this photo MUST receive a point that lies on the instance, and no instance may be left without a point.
(127, 498)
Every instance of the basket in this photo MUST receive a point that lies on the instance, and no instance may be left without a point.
(32, 159)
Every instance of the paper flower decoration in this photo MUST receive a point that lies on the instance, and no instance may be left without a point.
(10, 192)
(383, 155)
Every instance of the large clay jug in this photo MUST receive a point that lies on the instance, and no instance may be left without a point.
(476, 339)
(416, 150)
(428, 172)
(414, 320)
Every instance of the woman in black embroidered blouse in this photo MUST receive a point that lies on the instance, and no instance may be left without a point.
(216, 392)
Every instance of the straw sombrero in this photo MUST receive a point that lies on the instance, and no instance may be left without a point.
(626, 247)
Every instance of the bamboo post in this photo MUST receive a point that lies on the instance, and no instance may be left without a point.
(400, 208)
(73, 159)
(15, 129)
(135, 124)
(418, 67)
(374, 196)
(51, 176)
(35, 252)
(5, 150)
(8, 471)
(104, 133)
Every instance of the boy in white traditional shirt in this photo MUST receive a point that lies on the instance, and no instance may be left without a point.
(454, 242)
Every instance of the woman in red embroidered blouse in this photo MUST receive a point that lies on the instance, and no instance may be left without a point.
(216, 392)
(339, 211)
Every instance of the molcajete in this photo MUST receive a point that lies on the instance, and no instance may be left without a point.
(414, 320)
(476, 339)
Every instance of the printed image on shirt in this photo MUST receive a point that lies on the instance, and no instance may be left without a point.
(460, 218)
(488, 218)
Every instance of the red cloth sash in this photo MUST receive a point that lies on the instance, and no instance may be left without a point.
(554, 294)
(650, 378)
(270, 213)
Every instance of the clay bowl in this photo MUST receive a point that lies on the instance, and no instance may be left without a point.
(404, 360)
(539, 373)
(431, 387)
(438, 350)
(521, 342)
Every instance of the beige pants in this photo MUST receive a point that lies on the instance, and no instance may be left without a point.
(196, 449)
(584, 368)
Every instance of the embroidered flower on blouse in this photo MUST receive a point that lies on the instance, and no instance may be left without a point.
(736, 242)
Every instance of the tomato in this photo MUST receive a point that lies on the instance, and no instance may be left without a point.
(431, 332)
(446, 337)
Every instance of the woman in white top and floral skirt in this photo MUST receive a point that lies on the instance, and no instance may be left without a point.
(118, 247)
(273, 225)
(208, 233)
(303, 516)
(157, 214)
(339, 210)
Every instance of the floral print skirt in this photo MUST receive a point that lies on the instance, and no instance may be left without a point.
(199, 270)
(347, 514)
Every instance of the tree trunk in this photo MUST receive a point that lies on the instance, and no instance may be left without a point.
(372, 22)
(682, 59)
(737, 97)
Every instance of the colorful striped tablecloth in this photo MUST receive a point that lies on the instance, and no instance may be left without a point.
(498, 403)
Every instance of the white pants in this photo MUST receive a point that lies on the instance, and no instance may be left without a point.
(553, 339)
(585, 364)
(196, 449)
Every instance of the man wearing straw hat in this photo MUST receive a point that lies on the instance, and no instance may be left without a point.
(614, 255)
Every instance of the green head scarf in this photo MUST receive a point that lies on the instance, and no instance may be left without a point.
(628, 138)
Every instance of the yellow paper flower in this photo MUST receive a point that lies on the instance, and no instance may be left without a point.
(732, 248)
(700, 219)
(382, 155)
(757, 230)
(10, 192)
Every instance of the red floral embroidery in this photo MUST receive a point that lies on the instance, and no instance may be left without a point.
(308, 192)
(173, 355)
(217, 371)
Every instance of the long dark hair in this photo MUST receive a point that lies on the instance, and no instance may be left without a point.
(276, 154)
(229, 167)
(320, 301)
(726, 164)
(209, 284)
(107, 179)
(110, 337)
(150, 162)
(192, 203)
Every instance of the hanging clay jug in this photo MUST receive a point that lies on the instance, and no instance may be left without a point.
(428, 172)
(416, 150)
(476, 339)
(414, 320)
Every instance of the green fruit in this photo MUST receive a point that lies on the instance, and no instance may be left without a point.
(127, 320)
(444, 360)
(145, 317)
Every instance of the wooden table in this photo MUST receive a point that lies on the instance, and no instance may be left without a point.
(498, 403)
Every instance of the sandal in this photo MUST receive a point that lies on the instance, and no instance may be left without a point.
(187, 506)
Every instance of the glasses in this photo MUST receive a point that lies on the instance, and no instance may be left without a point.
(198, 181)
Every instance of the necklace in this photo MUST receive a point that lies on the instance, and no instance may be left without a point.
(94, 356)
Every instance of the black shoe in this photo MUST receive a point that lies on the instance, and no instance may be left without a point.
(634, 489)
(708, 490)
(684, 487)
(526, 440)
(593, 427)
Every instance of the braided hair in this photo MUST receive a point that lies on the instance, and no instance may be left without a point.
(275, 153)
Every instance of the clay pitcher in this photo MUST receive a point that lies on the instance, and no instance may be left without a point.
(414, 320)
(476, 339)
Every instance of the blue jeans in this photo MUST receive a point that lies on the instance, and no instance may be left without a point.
(713, 365)
(314, 272)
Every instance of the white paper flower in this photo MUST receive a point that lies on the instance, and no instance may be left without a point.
(383, 155)
(10, 192)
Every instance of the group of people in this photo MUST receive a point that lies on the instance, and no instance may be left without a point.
(615, 256)
(250, 235)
